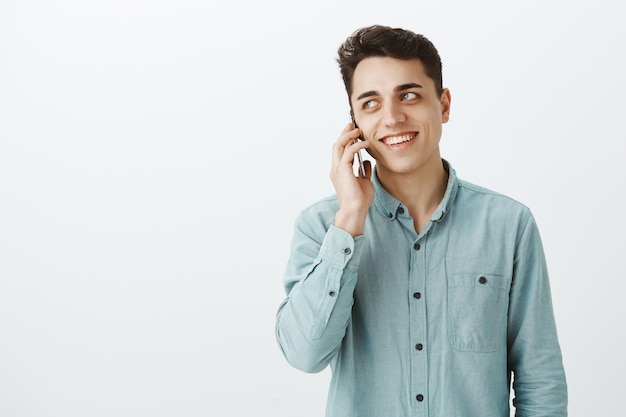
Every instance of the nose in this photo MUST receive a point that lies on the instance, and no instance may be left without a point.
(392, 114)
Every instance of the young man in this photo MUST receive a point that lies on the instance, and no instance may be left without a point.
(426, 294)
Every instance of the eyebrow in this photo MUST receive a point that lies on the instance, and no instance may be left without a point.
(399, 88)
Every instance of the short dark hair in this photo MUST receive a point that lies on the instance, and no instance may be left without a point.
(377, 41)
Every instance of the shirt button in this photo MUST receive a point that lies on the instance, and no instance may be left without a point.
(416, 246)
(400, 210)
(332, 293)
(482, 280)
(419, 346)
(419, 397)
(390, 215)
(417, 295)
(347, 251)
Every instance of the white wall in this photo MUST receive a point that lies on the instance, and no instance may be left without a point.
(154, 154)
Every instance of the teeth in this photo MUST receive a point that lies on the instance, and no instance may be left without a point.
(394, 140)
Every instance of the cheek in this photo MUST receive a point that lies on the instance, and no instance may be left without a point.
(372, 152)
(433, 121)
(369, 130)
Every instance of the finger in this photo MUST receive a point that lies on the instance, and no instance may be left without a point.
(350, 150)
(348, 136)
(340, 144)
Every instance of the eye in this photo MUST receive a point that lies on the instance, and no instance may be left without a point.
(369, 104)
(409, 96)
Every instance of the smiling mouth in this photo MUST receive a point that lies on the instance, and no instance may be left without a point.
(395, 140)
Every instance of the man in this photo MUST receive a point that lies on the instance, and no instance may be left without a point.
(426, 294)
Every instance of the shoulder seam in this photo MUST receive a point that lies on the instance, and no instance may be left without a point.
(487, 191)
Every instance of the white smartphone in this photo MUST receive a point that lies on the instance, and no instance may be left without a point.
(359, 157)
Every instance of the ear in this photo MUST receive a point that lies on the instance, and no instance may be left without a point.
(445, 105)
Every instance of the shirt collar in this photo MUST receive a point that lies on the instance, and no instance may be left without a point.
(389, 205)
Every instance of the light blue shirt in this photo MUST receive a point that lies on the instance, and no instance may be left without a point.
(432, 324)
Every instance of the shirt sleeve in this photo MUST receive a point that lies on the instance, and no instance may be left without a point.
(534, 352)
(319, 280)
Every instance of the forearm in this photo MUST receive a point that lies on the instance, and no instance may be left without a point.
(312, 321)
(534, 352)
(322, 269)
(538, 375)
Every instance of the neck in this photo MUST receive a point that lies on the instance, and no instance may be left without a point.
(421, 191)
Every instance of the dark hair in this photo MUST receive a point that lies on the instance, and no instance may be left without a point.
(377, 40)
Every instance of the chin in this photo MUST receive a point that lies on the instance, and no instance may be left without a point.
(398, 169)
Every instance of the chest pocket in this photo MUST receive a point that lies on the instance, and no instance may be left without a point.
(477, 309)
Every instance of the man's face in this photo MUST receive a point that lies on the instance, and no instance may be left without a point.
(398, 110)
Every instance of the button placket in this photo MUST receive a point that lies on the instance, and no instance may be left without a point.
(418, 314)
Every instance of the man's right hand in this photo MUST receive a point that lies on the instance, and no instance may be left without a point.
(355, 193)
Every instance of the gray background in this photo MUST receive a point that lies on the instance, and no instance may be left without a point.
(154, 154)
